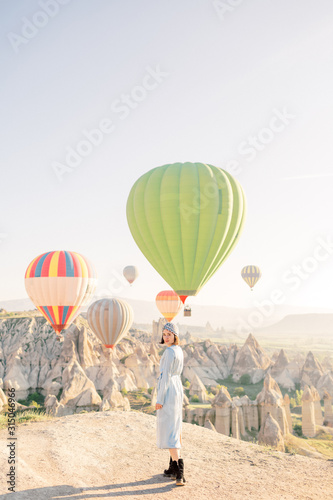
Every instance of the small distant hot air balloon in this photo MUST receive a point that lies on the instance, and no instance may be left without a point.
(251, 275)
(131, 273)
(186, 219)
(59, 284)
(110, 320)
(169, 304)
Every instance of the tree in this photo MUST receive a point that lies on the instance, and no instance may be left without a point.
(239, 391)
(245, 379)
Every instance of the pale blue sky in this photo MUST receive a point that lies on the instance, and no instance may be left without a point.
(224, 79)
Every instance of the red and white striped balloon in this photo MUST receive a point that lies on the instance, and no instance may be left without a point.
(110, 320)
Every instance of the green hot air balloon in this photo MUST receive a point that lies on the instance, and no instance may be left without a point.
(186, 219)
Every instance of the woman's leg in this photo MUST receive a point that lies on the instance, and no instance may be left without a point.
(175, 453)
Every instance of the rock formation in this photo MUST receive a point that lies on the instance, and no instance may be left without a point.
(3, 399)
(281, 373)
(222, 405)
(325, 383)
(251, 360)
(113, 399)
(75, 370)
(311, 371)
(209, 425)
(157, 330)
(197, 388)
(81, 373)
(280, 364)
(54, 408)
(308, 413)
(235, 421)
(286, 401)
(197, 362)
(153, 397)
(270, 433)
(270, 400)
(317, 406)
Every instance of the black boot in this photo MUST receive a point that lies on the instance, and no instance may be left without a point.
(172, 470)
(180, 479)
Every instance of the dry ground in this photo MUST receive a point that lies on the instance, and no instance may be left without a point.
(113, 454)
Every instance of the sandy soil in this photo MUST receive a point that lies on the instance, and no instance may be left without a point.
(113, 454)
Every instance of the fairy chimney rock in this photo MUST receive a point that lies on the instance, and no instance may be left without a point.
(311, 370)
(308, 413)
(270, 393)
(280, 364)
(235, 421)
(222, 405)
(223, 398)
(270, 434)
(325, 383)
(317, 406)
(270, 400)
(198, 389)
(251, 359)
(286, 402)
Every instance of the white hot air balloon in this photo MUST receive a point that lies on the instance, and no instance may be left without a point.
(131, 273)
(110, 320)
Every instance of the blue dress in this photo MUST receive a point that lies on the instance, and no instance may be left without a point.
(170, 395)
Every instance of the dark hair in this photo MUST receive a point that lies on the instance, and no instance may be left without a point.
(175, 342)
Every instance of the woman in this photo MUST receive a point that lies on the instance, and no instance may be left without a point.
(170, 402)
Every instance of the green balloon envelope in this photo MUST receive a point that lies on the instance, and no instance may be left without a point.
(186, 218)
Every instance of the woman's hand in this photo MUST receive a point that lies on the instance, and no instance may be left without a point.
(158, 406)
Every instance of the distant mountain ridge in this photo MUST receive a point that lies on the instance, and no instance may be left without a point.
(301, 324)
(219, 316)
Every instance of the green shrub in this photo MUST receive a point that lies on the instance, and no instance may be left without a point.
(239, 391)
(39, 398)
(195, 399)
(298, 398)
(150, 390)
(245, 379)
(124, 391)
(298, 430)
(292, 402)
(187, 384)
(34, 404)
(122, 360)
(34, 399)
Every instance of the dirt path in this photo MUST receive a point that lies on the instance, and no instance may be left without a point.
(113, 454)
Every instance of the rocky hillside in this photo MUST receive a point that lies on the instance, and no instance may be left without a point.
(111, 454)
(81, 373)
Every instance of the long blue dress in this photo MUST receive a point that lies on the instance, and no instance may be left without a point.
(170, 395)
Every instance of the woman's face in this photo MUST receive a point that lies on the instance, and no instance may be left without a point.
(168, 337)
